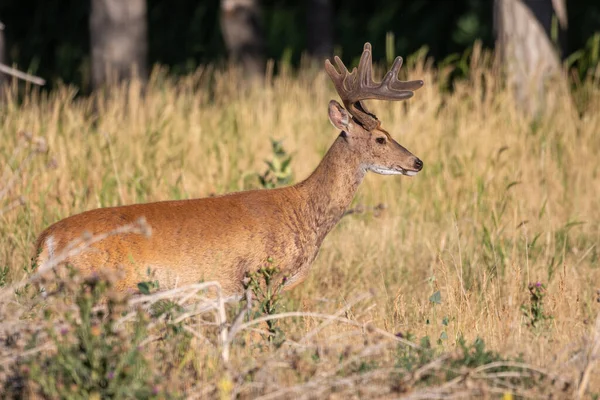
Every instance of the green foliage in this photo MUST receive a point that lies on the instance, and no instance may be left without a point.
(439, 367)
(267, 285)
(4, 275)
(146, 287)
(279, 172)
(93, 357)
(587, 59)
(534, 312)
(436, 298)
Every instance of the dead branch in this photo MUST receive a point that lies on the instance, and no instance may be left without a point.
(36, 80)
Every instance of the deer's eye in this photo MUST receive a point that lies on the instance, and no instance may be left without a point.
(380, 140)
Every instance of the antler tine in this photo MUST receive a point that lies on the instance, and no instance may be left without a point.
(391, 88)
(341, 66)
(339, 80)
(391, 79)
(393, 72)
(365, 64)
(397, 84)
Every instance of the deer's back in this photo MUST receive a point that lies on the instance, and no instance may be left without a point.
(219, 238)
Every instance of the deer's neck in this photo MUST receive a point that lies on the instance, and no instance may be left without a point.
(329, 190)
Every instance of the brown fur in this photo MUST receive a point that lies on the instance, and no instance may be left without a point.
(223, 238)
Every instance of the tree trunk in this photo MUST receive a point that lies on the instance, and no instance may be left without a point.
(523, 34)
(319, 26)
(119, 40)
(243, 35)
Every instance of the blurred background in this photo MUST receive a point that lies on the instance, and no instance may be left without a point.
(76, 42)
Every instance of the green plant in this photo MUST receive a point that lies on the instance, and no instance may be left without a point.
(279, 171)
(585, 61)
(435, 300)
(534, 311)
(437, 368)
(4, 275)
(93, 358)
(266, 286)
(146, 287)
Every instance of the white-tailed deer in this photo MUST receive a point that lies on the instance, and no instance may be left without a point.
(224, 238)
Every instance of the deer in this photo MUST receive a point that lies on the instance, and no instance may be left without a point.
(225, 238)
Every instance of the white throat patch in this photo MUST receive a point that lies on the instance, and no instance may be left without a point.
(389, 171)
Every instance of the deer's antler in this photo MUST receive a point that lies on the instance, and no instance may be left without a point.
(358, 85)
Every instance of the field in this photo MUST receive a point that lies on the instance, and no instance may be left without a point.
(487, 260)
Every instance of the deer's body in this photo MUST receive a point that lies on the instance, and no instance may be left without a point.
(218, 238)
(224, 238)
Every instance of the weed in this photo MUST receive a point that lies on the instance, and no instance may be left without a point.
(279, 171)
(534, 312)
(4, 275)
(146, 287)
(425, 366)
(92, 357)
(267, 285)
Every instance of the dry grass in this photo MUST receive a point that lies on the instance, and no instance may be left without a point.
(503, 201)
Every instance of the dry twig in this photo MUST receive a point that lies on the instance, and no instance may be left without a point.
(36, 80)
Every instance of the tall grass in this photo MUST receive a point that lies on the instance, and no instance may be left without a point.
(504, 200)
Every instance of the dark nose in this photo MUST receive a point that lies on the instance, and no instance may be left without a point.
(418, 164)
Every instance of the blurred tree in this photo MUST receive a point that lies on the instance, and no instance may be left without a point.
(243, 35)
(527, 46)
(118, 40)
(319, 28)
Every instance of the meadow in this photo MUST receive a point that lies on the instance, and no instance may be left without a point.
(480, 276)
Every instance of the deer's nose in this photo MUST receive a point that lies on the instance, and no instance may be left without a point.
(418, 164)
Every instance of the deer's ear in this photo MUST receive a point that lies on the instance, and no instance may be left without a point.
(338, 116)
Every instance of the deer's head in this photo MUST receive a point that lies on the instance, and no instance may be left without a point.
(377, 150)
